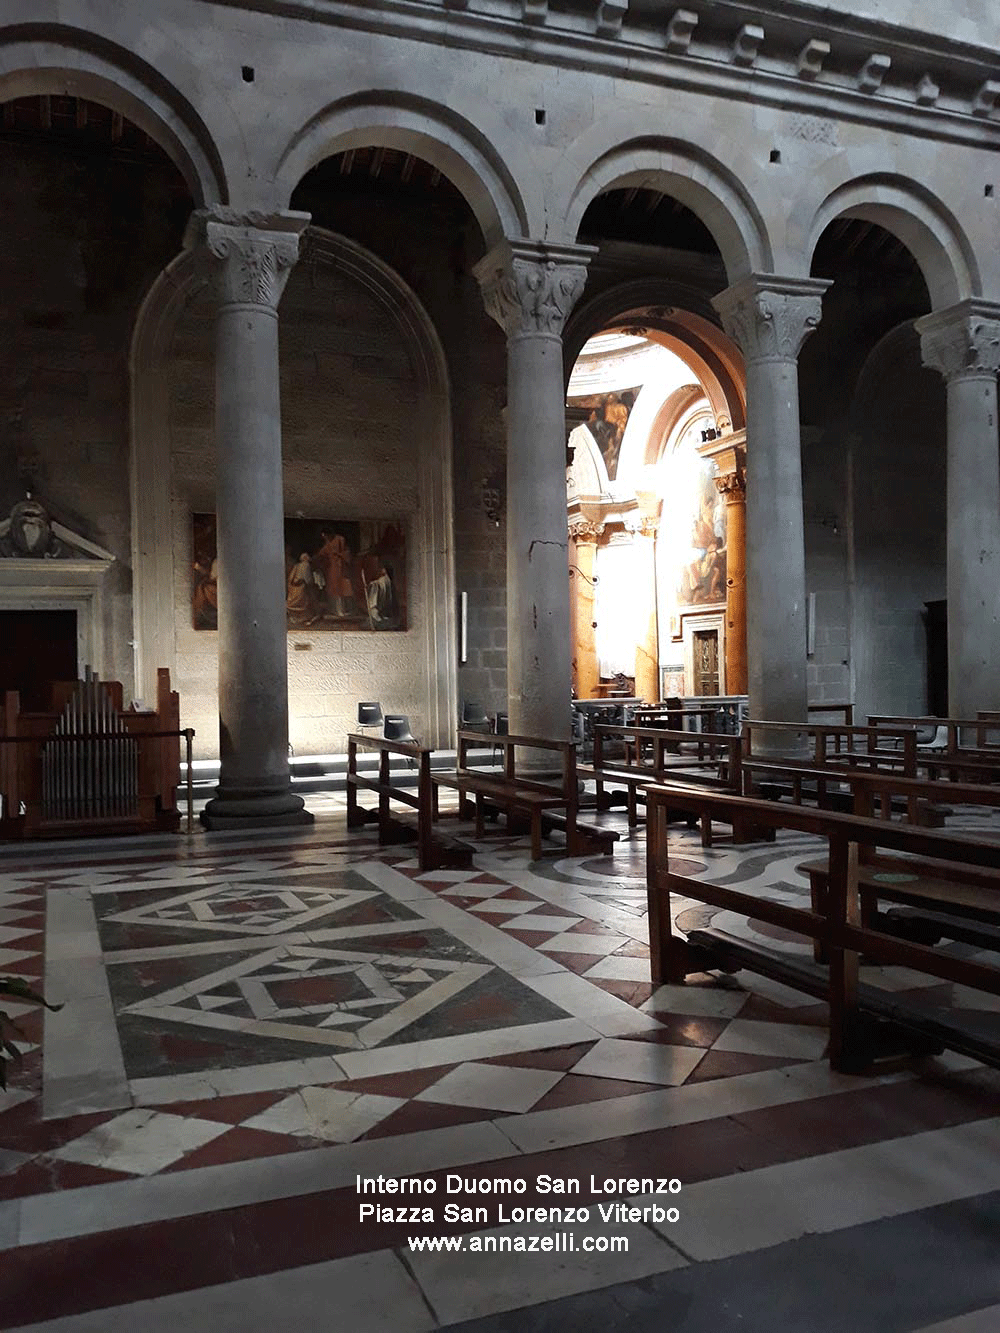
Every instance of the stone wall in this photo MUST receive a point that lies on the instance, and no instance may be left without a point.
(84, 235)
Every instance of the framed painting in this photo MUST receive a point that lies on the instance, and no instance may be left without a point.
(340, 574)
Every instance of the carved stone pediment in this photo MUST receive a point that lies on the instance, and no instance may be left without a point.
(28, 533)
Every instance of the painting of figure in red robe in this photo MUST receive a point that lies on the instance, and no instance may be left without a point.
(340, 574)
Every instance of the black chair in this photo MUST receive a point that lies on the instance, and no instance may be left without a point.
(474, 717)
(397, 728)
(500, 727)
(369, 715)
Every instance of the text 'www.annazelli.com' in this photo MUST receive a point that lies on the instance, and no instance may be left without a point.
(562, 1242)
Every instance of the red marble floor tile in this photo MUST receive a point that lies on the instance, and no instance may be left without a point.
(577, 1088)
(633, 949)
(486, 878)
(560, 1057)
(685, 1030)
(729, 1064)
(632, 992)
(499, 919)
(45, 1175)
(515, 894)
(416, 1116)
(536, 938)
(406, 1083)
(228, 1110)
(239, 1145)
(576, 962)
(586, 927)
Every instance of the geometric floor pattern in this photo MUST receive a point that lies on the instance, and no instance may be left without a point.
(252, 1023)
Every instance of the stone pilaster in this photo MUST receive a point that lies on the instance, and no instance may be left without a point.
(529, 288)
(253, 258)
(963, 345)
(643, 527)
(769, 318)
(583, 535)
(730, 457)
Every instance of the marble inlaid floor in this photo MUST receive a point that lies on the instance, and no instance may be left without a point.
(250, 1022)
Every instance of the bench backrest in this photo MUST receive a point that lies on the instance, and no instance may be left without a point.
(894, 747)
(565, 785)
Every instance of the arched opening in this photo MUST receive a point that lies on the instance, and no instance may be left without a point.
(874, 479)
(656, 408)
(95, 207)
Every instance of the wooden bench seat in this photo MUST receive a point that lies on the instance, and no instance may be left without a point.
(544, 804)
(935, 884)
(716, 767)
(435, 851)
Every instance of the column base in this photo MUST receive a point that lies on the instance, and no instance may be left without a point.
(247, 811)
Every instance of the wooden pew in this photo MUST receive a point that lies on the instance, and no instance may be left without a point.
(865, 1022)
(653, 755)
(434, 850)
(544, 803)
(943, 753)
(822, 746)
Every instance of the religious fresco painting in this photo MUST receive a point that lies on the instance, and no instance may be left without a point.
(609, 414)
(340, 574)
(703, 573)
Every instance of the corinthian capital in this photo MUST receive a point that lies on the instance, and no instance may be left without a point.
(962, 342)
(768, 317)
(530, 287)
(256, 252)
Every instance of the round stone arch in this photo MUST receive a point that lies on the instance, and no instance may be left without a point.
(37, 59)
(915, 216)
(685, 172)
(154, 578)
(411, 124)
(679, 317)
(643, 451)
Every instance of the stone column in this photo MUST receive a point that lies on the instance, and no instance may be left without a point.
(963, 343)
(252, 264)
(769, 318)
(529, 288)
(647, 649)
(583, 553)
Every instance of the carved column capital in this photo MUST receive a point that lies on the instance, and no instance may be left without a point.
(641, 525)
(962, 342)
(770, 317)
(530, 288)
(733, 485)
(583, 529)
(256, 252)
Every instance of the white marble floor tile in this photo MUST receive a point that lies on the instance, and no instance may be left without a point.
(700, 1001)
(639, 1061)
(450, 876)
(509, 907)
(369, 1293)
(619, 967)
(605, 1014)
(976, 1321)
(8, 934)
(332, 1114)
(584, 943)
(140, 1142)
(466, 1285)
(754, 1210)
(468, 1046)
(774, 990)
(750, 1037)
(495, 1087)
(545, 925)
(483, 891)
(11, 956)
